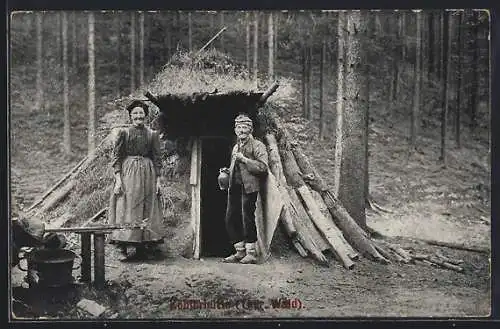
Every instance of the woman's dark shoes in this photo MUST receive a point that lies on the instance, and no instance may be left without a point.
(141, 252)
(129, 254)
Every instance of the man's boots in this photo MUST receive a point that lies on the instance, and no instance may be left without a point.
(251, 257)
(239, 255)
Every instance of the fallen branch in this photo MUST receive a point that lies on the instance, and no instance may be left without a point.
(376, 207)
(63, 192)
(479, 208)
(448, 260)
(434, 261)
(453, 245)
(300, 249)
(445, 264)
(383, 252)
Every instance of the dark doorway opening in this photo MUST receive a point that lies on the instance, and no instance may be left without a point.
(215, 154)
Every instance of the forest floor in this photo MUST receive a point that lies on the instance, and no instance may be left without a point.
(427, 200)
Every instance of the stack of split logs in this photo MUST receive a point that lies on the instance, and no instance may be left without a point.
(314, 230)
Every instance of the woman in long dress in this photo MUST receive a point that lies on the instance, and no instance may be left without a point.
(135, 199)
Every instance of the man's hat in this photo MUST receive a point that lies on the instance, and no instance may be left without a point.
(243, 119)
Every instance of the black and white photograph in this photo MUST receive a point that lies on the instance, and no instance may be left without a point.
(237, 164)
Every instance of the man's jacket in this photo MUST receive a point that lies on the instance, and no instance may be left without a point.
(255, 169)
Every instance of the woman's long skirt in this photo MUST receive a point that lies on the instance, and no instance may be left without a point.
(138, 206)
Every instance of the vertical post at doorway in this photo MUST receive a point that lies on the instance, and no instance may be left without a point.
(195, 182)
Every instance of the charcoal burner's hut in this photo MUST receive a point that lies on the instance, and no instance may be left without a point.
(195, 103)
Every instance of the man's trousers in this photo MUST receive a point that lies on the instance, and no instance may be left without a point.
(240, 215)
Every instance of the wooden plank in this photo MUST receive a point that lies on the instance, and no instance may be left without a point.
(272, 206)
(196, 196)
(326, 228)
(324, 210)
(89, 229)
(300, 249)
(193, 179)
(86, 257)
(303, 217)
(99, 270)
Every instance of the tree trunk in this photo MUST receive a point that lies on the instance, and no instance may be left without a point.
(39, 100)
(341, 43)
(67, 123)
(474, 94)
(402, 35)
(367, 71)
(400, 55)
(247, 40)
(416, 89)
(91, 87)
(256, 48)
(432, 55)
(395, 63)
(439, 45)
(276, 29)
(141, 48)
(168, 38)
(352, 168)
(58, 46)
(270, 45)
(118, 53)
(424, 61)
(309, 81)
(132, 52)
(444, 76)
(449, 72)
(303, 80)
(459, 78)
(190, 33)
(74, 52)
(322, 120)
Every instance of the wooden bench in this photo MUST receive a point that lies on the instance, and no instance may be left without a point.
(99, 233)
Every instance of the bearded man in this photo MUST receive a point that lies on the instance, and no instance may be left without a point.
(249, 165)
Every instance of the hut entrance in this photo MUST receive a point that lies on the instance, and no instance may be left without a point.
(215, 154)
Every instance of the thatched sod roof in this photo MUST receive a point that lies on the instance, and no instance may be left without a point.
(204, 114)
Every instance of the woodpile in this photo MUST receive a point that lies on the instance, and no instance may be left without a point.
(315, 219)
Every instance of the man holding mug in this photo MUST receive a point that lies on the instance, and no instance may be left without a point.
(249, 165)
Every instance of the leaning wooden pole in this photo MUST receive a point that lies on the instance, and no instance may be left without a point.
(294, 179)
(354, 234)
